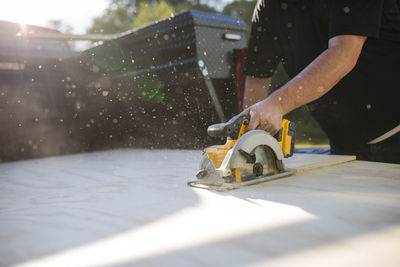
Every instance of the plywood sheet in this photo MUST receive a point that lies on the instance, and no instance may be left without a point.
(133, 207)
(307, 162)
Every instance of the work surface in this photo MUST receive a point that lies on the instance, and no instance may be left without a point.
(133, 207)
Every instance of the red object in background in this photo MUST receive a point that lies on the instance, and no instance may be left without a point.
(20, 42)
(27, 31)
(240, 76)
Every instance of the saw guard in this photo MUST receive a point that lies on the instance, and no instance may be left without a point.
(248, 142)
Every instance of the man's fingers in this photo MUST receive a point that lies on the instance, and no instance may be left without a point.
(274, 131)
(264, 118)
(266, 126)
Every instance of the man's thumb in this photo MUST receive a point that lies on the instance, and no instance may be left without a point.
(253, 123)
(246, 111)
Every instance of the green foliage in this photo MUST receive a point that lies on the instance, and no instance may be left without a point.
(118, 17)
(123, 15)
(148, 13)
(242, 9)
(184, 5)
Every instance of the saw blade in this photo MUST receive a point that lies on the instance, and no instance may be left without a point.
(267, 159)
(263, 163)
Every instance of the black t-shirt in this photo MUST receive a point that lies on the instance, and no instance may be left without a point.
(364, 104)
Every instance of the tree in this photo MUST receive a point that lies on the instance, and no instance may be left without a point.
(148, 13)
(118, 17)
(242, 9)
(194, 5)
(121, 15)
(59, 25)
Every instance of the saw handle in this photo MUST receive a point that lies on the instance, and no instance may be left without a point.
(236, 127)
(233, 128)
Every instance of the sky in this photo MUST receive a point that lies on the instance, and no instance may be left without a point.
(76, 13)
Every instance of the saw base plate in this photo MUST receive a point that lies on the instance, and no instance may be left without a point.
(231, 186)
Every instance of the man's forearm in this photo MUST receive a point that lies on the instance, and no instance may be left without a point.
(313, 82)
(321, 75)
(256, 89)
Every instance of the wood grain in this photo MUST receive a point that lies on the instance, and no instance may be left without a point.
(133, 207)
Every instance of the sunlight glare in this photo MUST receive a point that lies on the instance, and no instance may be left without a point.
(76, 13)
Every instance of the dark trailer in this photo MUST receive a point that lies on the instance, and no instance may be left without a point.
(158, 86)
(162, 85)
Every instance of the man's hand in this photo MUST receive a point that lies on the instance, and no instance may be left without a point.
(265, 115)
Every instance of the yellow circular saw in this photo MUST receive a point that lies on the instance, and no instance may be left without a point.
(246, 158)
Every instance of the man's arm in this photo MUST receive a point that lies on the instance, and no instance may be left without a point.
(310, 84)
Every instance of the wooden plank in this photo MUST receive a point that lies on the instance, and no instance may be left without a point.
(307, 162)
(133, 207)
